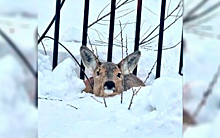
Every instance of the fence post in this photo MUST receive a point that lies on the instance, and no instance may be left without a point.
(49, 26)
(84, 37)
(181, 57)
(160, 41)
(56, 35)
(137, 33)
(111, 31)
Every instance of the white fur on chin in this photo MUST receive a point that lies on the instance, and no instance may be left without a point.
(107, 91)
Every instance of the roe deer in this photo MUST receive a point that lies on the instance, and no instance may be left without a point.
(110, 79)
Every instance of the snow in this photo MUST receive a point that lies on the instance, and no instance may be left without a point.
(92, 119)
(156, 110)
(11, 7)
(16, 107)
(201, 61)
(18, 114)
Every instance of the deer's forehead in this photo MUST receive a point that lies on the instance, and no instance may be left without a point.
(109, 66)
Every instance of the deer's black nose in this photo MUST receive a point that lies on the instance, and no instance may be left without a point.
(109, 84)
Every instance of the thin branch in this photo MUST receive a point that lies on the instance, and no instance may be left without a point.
(96, 99)
(163, 30)
(147, 77)
(178, 6)
(201, 21)
(19, 53)
(106, 24)
(121, 29)
(150, 10)
(121, 15)
(103, 10)
(121, 58)
(168, 7)
(99, 34)
(207, 92)
(73, 58)
(197, 7)
(132, 97)
(125, 2)
(104, 101)
(51, 23)
(167, 48)
(43, 46)
(72, 106)
(43, 98)
(207, 11)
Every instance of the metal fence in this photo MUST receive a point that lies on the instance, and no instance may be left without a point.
(56, 18)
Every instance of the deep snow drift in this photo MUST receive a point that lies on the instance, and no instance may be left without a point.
(156, 110)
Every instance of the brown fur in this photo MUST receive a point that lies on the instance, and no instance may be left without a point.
(130, 81)
(108, 71)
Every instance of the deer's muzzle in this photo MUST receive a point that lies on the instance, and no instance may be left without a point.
(109, 87)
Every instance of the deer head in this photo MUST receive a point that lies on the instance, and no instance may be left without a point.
(107, 76)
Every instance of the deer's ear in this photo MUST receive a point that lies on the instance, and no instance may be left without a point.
(88, 57)
(128, 64)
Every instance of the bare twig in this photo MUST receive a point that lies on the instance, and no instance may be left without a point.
(143, 42)
(44, 98)
(103, 10)
(133, 91)
(124, 3)
(177, 7)
(72, 106)
(167, 48)
(197, 7)
(121, 58)
(132, 97)
(207, 92)
(96, 99)
(147, 77)
(104, 101)
(73, 58)
(168, 7)
(49, 26)
(202, 14)
(121, 29)
(42, 45)
(150, 10)
(205, 96)
(99, 34)
(19, 53)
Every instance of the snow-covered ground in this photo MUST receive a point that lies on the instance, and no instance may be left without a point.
(18, 114)
(201, 62)
(156, 110)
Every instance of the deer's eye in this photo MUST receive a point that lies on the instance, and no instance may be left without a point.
(98, 73)
(119, 75)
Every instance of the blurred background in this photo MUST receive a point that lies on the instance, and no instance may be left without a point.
(201, 69)
(18, 67)
(18, 52)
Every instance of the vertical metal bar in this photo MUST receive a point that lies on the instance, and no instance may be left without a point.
(49, 26)
(137, 33)
(84, 37)
(36, 95)
(181, 57)
(111, 31)
(160, 43)
(56, 35)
